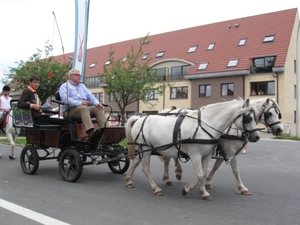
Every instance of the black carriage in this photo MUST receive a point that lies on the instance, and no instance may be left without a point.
(66, 141)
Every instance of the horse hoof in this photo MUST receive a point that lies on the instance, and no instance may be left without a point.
(12, 157)
(170, 183)
(178, 177)
(159, 193)
(207, 198)
(246, 193)
(130, 186)
(208, 186)
(184, 192)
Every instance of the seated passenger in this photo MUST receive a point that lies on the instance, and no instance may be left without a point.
(82, 103)
(28, 100)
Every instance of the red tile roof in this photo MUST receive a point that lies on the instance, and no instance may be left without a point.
(177, 43)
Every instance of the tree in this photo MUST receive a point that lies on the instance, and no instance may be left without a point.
(52, 73)
(128, 80)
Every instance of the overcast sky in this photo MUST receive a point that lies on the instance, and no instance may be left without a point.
(27, 24)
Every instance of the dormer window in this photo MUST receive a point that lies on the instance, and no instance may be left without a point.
(160, 54)
(233, 63)
(192, 49)
(203, 66)
(93, 65)
(269, 38)
(145, 56)
(107, 62)
(124, 59)
(211, 46)
(242, 42)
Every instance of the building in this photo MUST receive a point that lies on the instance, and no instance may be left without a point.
(252, 57)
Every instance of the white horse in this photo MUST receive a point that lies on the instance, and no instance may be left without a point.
(10, 133)
(268, 114)
(193, 135)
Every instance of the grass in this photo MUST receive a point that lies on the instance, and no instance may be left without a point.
(19, 140)
(287, 137)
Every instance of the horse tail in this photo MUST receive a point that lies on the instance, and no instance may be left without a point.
(130, 144)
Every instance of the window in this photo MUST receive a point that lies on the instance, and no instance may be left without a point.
(203, 66)
(269, 38)
(295, 91)
(107, 62)
(227, 90)
(124, 59)
(192, 49)
(179, 92)
(211, 46)
(93, 82)
(178, 72)
(205, 90)
(145, 56)
(263, 64)
(233, 63)
(263, 88)
(99, 96)
(242, 42)
(160, 73)
(112, 97)
(152, 95)
(160, 54)
(295, 66)
(93, 65)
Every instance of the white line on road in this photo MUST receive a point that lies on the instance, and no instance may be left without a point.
(40, 218)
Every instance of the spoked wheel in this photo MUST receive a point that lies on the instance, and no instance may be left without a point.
(70, 165)
(119, 166)
(29, 160)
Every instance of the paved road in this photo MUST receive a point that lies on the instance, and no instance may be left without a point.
(270, 170)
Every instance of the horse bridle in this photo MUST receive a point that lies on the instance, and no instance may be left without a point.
(247, 119)
(267, 114)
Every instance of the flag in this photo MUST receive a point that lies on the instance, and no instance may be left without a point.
(81, 33)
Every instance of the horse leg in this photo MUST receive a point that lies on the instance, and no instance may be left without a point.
(241, 189)
(166, 176)
(146, 169)
(197, 164)
(178, 169)
(11, 138)
(135, 163)
(208, 179)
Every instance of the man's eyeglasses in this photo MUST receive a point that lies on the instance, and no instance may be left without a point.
(76, 74)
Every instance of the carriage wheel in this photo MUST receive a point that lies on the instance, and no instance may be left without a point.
(70, 165)
(119, 166)
(29, 160)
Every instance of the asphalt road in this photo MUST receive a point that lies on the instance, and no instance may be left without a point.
(270, 170)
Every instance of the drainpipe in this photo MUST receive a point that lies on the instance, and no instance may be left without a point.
(297, 86)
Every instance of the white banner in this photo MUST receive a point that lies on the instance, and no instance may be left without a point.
(81, 33)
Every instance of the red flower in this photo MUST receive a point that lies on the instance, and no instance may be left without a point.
(50, 75)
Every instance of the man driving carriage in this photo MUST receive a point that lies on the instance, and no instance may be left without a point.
(81, 103)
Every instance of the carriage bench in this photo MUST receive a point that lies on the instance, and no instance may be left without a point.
(36, 133)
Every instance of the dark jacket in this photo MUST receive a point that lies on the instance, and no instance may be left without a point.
(27, 98)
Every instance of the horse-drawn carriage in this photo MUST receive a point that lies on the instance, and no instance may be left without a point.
(65, 140)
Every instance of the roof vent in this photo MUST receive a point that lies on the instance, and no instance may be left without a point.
(236, 25)
(229, 26)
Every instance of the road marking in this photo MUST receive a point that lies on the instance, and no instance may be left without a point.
(40, 218)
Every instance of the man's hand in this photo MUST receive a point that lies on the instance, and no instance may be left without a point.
(84, 102)
(99, 105)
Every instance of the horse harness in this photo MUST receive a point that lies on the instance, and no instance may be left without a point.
(178, 141)
(267, 114)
